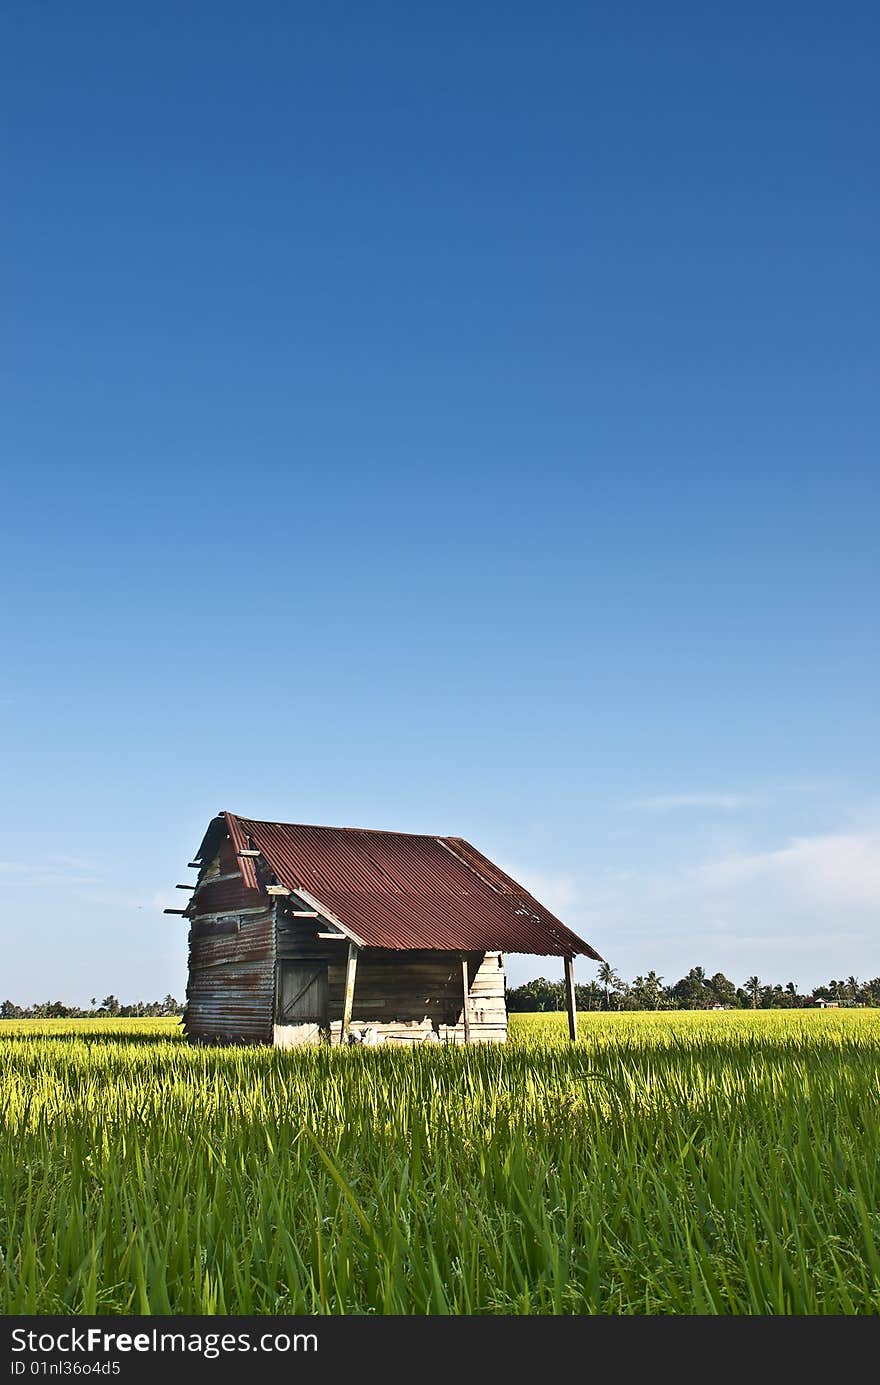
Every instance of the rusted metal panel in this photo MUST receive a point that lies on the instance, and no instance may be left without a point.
(227, 858)
(212, 951)
(506, 886)
(232, 1013)
(231, 987)
(224, 895)
(402, 891)
(213, 928)
(239, 837)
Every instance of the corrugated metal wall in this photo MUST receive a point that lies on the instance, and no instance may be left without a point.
(230, 994)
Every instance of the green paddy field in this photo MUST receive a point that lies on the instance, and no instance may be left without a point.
(668, 1163)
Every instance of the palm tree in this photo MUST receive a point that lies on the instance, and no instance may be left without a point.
(593, 993)
(609, 979)
(646, 991)
(753, 987)
(654, 987)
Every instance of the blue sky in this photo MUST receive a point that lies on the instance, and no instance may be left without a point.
(448, 418)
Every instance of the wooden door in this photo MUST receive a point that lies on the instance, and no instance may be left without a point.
(303, 994)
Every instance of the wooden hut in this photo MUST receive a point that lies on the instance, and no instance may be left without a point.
(301, 934)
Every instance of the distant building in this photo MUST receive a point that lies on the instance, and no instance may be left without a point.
(827, 1004)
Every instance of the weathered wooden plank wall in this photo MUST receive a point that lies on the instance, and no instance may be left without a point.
(405, 996)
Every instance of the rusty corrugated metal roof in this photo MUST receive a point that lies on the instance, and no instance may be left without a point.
(399, 890)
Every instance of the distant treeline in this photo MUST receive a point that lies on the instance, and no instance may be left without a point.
(108, 1008)
(696, 991)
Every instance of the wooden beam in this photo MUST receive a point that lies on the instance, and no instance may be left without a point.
(570, 1001)
(184, 887)
(348, 999)
(466, 996)
(247, 853)
(173, 911)
(194, 865)
(304, 913)
(281, 890)
(322, 912)
(333, 937)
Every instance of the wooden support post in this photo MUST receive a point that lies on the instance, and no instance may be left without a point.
(348, 998)
(466, 996)
(570, 1002)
